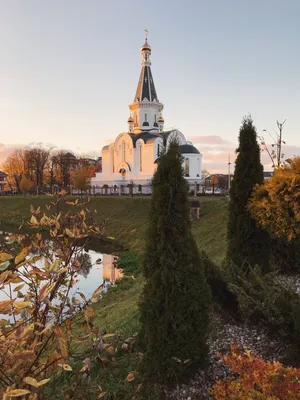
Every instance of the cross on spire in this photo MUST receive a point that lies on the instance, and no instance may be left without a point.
(146, 34)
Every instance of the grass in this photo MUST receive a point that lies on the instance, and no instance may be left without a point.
(126, 219)
(118, 311)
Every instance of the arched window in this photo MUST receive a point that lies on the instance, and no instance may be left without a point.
(141, 157)
(158, 150)
(187, 167)
(123, 151)
(146, 117)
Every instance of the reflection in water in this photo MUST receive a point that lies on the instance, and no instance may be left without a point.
(86, 264)
(110, 272)
(97, 269)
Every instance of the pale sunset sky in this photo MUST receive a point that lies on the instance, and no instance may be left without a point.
(69, 69)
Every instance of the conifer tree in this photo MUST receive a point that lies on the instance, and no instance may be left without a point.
(247, 243)
(176, 299)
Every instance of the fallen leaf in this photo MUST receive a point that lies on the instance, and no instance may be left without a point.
(66, 367)
(130, 377)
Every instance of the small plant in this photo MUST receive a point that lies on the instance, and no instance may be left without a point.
(38, 314)
(253, 378)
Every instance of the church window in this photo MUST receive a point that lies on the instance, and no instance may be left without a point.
(135, 119)
(141, 157)
(187, 167)
(158, 150)
(146, 117)
(155, 118)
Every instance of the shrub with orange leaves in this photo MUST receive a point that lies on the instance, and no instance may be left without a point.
(276, 204)
(253, 378)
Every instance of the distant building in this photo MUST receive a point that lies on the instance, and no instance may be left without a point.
(133, 157)
(268, 174)
(3, 177)
(219, 181)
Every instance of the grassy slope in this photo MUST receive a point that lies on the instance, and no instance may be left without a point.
(127, 219)
(118, 311)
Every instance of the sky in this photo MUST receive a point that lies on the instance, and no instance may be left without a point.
(69, 69)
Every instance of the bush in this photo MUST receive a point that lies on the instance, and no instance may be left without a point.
(253, 378)
(221, 295)
(130, 263)
(285, 255)
(252, 297)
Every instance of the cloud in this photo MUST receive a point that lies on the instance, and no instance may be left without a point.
(215, 159)
(7, 149)
(210, 140)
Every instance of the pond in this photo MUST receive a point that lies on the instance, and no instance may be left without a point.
(98, 269)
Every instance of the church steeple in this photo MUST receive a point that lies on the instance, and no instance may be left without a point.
(146, 107)
(145, 88)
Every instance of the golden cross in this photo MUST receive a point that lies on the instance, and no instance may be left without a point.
(146, 33)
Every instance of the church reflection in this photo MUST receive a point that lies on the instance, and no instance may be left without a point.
(110, 272)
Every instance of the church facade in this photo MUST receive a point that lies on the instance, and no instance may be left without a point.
(131, 160)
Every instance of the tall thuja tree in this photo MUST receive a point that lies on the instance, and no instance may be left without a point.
(247, 243)
(175, 301)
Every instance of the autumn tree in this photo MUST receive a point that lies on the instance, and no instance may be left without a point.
(247, 242)
(82, 179)
(214, 181)
(37, 157)
(175, 300)
(14, 167)
(26, 185)
(64, 165)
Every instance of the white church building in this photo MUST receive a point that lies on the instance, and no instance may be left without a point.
(131, 160)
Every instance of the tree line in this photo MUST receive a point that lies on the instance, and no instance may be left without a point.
(40, 169)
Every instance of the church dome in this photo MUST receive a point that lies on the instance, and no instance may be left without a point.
(160, 119)
(146, 46)
(188, 149)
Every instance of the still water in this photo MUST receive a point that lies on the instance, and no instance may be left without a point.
(97, 269)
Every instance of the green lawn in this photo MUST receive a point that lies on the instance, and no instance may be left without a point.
(118, 311)
(127, 219)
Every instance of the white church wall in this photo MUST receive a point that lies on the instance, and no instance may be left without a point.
(105, 163)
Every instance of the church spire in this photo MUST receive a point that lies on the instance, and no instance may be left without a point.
(146, 108)
(145, 88)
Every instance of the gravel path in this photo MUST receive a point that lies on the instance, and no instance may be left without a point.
(222, 337)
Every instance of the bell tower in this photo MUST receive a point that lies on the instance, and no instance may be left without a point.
(146, 108)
